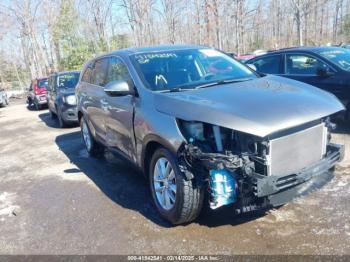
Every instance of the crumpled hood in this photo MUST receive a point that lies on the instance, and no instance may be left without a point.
(258, 107)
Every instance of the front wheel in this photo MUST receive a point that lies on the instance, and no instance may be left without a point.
(177, 199)
(52, 114)
(61, 121)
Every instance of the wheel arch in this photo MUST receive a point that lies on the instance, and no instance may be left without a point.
(150, 145)
(80, 115)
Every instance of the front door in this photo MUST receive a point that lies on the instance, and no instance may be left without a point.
(119, 125)
(303, 67)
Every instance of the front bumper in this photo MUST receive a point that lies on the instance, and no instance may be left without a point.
(69, 113)
(280, 190)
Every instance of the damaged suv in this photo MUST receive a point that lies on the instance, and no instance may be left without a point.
(198, 122)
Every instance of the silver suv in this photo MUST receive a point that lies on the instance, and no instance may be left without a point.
(199, 123)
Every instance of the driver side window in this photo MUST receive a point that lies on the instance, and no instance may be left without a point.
(303, 65)
(117, 71)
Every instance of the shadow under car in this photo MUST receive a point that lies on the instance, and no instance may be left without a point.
(126, 186)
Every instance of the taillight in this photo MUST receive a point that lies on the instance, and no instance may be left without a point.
(36, 89)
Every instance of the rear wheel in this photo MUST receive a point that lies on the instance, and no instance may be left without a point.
(177, 199)
(92, 147)
(37, 107)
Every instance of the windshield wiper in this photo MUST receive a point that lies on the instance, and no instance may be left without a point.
(174, 90)
(222, 82)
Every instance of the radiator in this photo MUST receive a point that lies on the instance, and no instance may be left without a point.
(291, 153)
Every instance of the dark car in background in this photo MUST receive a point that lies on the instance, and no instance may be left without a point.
(61, 97)
(345, 45)
(327, 68)
(36, 95)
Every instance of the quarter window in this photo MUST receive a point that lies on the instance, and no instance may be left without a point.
(87, 75)
(303, 65)
(269, 64)
(99, 73)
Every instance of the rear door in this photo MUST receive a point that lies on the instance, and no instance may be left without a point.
(303, 67)
(269, 64)
(119, 123)
(95, 97)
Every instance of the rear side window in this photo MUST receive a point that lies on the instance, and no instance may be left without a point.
(269, 64)
(87, 75)
(99, 73)
(117, 70)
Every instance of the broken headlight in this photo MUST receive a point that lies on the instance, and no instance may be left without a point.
(192, 130)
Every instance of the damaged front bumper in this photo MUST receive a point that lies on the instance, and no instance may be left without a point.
(282, 189)
(253, 190)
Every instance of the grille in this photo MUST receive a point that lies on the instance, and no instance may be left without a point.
(291, 153)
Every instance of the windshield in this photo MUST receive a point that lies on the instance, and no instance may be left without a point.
(43, 83)
(186, 69)
(339, 56)
(68, 80)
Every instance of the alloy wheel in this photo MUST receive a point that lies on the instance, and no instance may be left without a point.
(86, 136)
(164, 182)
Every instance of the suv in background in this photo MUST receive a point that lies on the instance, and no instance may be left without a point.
(37, 93)
(61, 97)
(199, 123)
(4, 101)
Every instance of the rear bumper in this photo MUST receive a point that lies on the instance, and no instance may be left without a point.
(40, 99)
(280, 190)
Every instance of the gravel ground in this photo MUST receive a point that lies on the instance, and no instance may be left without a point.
(54, 199)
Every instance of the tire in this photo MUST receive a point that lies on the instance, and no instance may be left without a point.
(37, 107)
(52, 114)
(30, 102)
(61, 121)
(93, 148)
(188, 197)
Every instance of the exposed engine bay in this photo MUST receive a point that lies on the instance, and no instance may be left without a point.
(249, 171)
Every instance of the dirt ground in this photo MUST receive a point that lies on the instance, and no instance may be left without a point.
(54, 199)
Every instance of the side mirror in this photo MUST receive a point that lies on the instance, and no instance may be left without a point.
(118, 88)
(324, 72)
(253, 67)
